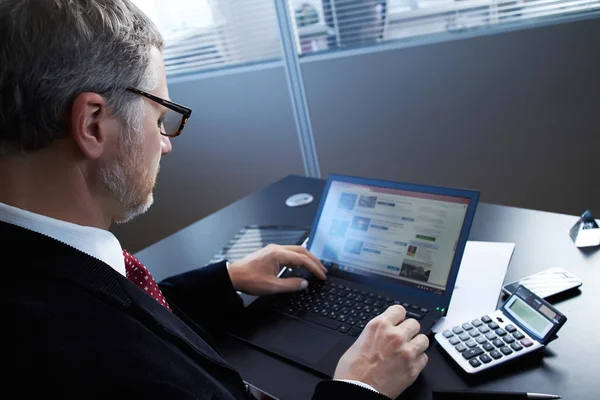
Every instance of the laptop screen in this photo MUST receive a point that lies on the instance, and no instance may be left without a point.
(402, 236)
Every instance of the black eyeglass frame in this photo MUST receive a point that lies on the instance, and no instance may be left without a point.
(186, 112)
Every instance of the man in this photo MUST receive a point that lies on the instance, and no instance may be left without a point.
(83, 125)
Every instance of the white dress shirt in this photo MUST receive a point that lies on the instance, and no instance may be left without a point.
(98, 243)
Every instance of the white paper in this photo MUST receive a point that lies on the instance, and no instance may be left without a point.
(479, 282)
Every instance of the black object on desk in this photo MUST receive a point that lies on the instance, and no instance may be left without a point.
(481, 395)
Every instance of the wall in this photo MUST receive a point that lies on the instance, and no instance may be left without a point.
(240, 138)
(515, 115)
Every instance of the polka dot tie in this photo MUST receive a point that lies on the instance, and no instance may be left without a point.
(138, 274)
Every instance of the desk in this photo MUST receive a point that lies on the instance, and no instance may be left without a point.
(569, 366)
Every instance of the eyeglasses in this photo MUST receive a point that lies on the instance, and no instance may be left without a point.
(173, 122)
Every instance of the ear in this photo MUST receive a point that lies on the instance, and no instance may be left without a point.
(92, 124)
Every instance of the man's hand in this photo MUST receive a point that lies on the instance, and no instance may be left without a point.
(387, 355)
(256, 274)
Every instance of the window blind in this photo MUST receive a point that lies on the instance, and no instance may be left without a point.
(207, 34)
(351, 23)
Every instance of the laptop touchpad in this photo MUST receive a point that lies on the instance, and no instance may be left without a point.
(304, 342)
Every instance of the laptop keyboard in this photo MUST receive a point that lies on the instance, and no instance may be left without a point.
(340, 307)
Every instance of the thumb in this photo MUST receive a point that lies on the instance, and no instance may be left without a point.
(283, 285)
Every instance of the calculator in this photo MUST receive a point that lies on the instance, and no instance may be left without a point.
(523, 324)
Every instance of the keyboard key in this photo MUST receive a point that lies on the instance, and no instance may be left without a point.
(467, 326)
(454, 341)
(332, 315)
(500, 332)
(414, 314)
(344, 328)
(518, 335)
(471, 343)
(490, 336)
(475, 363)
(486, 319)
(361, 324)
(485, 358)
(495, 354)
(354, 331)
(481, 340)
(461, 347)
(498, 343)
(360, 298)
(488, 346)
(424, 310)
(476, 323)
(351, 321)
(516, 347)
(471, 353)
(319, 319)
(448, 334)
(342, 318)
(526, 342)
(457, 330)
(474, 333)
(493, 325)
(509, 339)
(406, 305)
(377, 304)
(464, 337)
(510, 329)
(369, 301)
(505, 350)
(484, 329)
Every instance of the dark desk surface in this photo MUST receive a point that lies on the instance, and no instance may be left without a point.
(569, 366)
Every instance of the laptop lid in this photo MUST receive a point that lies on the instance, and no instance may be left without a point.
(401, 237)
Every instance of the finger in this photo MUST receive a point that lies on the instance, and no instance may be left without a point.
(394, 314)
(419, 343)
(302, 250)
(421, 362)
(409, 328)
(284, 285)
(295, 260)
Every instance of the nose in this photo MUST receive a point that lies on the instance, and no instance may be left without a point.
(165, 145)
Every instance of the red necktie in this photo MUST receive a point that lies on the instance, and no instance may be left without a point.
(138, 274)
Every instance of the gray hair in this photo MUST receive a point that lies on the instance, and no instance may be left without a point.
(53, 50)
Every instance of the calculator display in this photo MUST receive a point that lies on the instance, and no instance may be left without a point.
(533, 314)
(530, 318)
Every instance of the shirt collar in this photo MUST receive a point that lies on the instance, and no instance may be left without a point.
(98, 243)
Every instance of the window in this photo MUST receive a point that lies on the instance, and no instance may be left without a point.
(207, 34)
(331, 24)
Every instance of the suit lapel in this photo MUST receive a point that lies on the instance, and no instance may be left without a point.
(48, 257)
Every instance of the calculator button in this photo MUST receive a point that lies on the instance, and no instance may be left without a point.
(475, 363)
(500, 332)
(498, 343)
(490, 336)
(483, 329)
(509, 339)
(493, 325)
(464, 337)
(457, 330)
(476, 323)
(510, 329)
(516, 347)
(485, 358)
(526, 342)
(448, 334)
(518, 335)
(468, 354)
(474, 332)
(495, 354)
(486, 319)
(461, 347)
(471, 343)
(454, 341)
(481, 340)
(488, 346)
(467, 326)
(505, 350)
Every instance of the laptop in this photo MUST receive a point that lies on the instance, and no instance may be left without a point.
(383, 243)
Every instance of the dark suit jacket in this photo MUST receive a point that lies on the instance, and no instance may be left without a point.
(72, 327)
